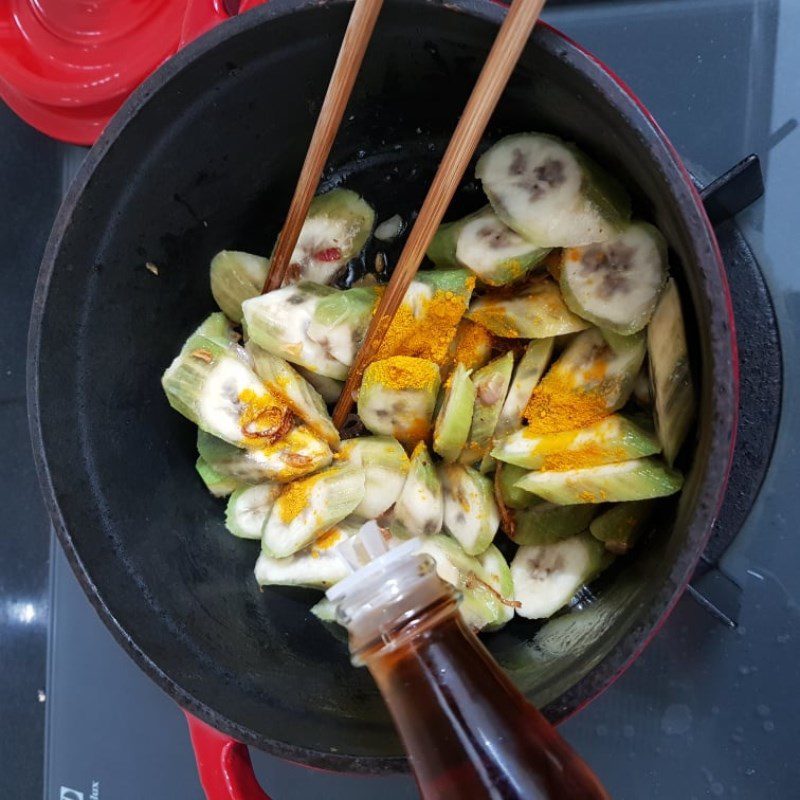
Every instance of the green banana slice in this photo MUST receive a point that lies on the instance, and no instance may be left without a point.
(546, 577)
(419, 509)
(615, 284)
(309, 507)
(278, 322)
(527, 375)
(299, 453)
(236, 277)
(620, 526)
(487, 589)
(588, 382)
(491, 387)
(470, 510)
(218, 484)
(213, 387)
(550, 192)
(612, 439)
(294, 391)
(506, 479)
(329, 388)
(486, 246)
(545, 523)
(454, 419)
(249, 508)
(398, 396)
(336, 229)
(385, 466)
(639, 479)
(675, 403)
(533, 311)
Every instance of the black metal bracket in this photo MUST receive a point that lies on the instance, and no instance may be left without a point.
(734, 190)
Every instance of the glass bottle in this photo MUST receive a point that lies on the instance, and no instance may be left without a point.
(467, 731)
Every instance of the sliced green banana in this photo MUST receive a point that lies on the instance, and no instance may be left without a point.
(317, 566)
(615, 284)
(544, 523)
(309, 507)
(487, 591)
(426, 322)
(534, 311)
(329, 388)
(550, 193)
(471, 346)
(589, 381)
(236, 277)
(498, 576)
(249, 508)
(299, 453)
(546, 577)
(386, 467)
(340, 321)
(210, 385)
(336, 229)
(491, 387)
(217, 483)
(527, 375)
(278, 322)
(398, 396)
(669, 370)
(494, 252)
(216, 327)
(451, 431)
(419, 509)
(295, 392)
(442, 249)
(620, 526)
(470, 510)
(612, 439)
(506, 478)
(486, 246)
(639, 479)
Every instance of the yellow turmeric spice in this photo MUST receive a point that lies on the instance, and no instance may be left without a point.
(296, 495)
(473, 345)
(590, 455)
(402, 372)
(494, 316)
(428, 332)
(558, 404)
(326, 541)
(263, 420)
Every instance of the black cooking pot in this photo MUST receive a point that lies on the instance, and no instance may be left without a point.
(204, 157)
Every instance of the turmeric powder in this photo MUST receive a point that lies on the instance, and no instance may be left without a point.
(296, 495)
(494, 316)
(558, 404)
(428, 332)
(263, 419)
(402, 372)
(473, 345)
(590, 455)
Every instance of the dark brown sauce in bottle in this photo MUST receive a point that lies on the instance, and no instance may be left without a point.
(468, 732)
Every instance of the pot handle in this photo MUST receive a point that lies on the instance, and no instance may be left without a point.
(224, 765)
(203, 15)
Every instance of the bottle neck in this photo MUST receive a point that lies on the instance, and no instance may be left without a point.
(383, 614)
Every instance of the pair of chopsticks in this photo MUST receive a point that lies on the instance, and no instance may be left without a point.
(494, 76)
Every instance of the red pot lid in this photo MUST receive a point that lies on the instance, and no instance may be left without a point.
(67, 65)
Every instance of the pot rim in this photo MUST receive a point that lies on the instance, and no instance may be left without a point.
(632, 643)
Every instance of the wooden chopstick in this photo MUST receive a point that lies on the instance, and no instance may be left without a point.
(351, 53)
(500, 63)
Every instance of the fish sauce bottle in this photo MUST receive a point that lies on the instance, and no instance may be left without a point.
(468, 732)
